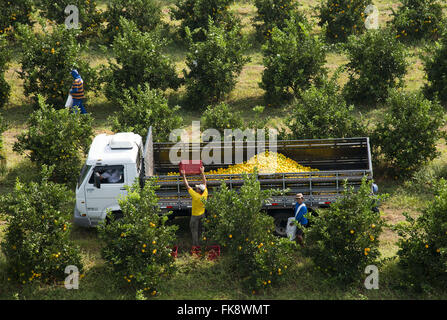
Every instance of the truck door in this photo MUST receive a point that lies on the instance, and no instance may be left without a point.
(113, 179)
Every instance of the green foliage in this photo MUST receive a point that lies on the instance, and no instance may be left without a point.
(138, 246)
(90, 17)
(221, 117)
(13, 13)
(409, 131)
(376, 64)
(342, 18)
(214, 64)
(146, 14)
(293, 59)
(195, 14)
(425, 179)
(320, 113)
(46, 61)
(435, 66)
(5, 57)
(417, 19)
(274, 13)
(139, 60)
(56, 137)
(258, 121)
(36, 245)
(3, 128)
(144, 107)
(423, 244)
(344, 239)
(236, 222)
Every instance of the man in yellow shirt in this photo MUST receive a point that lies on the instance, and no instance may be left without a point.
(198, 208)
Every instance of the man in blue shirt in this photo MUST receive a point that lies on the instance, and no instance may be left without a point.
(300, 215)
(375, 191)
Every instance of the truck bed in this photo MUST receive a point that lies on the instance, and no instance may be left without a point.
(338, 160)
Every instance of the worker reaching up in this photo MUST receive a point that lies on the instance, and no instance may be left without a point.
(77, 91)
(198, 208)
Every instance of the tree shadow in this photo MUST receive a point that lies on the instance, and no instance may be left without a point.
(17, 115)
(101, 111)
(25, 171)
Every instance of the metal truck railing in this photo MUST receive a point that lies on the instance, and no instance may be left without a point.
(319, 188)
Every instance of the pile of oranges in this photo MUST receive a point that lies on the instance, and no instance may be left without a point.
(265, 162)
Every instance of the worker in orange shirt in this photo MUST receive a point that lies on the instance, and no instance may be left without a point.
(198, 208)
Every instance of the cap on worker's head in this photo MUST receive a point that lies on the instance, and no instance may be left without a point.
(299, 196)
(75, 73)
(201, 187)
(375, 188)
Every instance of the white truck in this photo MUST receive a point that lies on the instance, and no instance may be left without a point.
(115, 161)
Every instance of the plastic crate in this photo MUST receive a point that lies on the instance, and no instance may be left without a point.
(190, 166)
(174, 252)
(213, 252)
(196, 251)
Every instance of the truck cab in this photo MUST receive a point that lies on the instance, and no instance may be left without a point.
(113, 162)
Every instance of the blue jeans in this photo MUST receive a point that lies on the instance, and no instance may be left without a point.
(78, 103)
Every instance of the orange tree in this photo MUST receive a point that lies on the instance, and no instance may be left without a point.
(3, 127)
(143, 107)
(139, 59)
(408, 133)
(213, 64)
(37, 243)
(418, 19)
(194, 15)
(435, 66)
(423, 244)
(137, 247)
(343, 18)
(5, 55)
(90, 17)
(344, 239)
(56, 137)
(293, 60)
(47, 59)
(146, 14)
(377, 63)
(321, 112)
(221, 117)
(273, 13)
(235, 220)
(14, 12)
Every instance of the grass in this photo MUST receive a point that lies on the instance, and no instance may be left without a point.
(201, 279)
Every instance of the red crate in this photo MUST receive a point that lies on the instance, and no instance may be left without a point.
(213, 252)
(190, 166)
(196, 250)
(174, 252)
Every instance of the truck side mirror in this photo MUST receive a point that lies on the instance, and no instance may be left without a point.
(97, 180)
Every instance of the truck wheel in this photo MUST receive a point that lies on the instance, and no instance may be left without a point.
(281, 223)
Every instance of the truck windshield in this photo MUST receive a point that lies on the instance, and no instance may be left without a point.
(85, 169)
